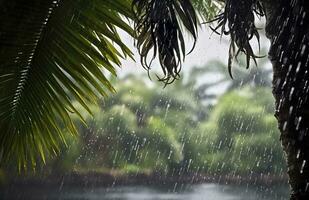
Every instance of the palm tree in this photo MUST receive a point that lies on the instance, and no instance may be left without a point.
(287, 28)
(50, 48)
(53, 52)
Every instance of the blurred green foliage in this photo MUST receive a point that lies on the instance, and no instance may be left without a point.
(145, 128)
(142, 126)
(242, 135)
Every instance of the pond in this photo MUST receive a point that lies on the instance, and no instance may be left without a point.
(176, 192)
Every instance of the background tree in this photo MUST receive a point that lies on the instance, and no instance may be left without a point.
(241, 135)
(259, 76)
(127, 132)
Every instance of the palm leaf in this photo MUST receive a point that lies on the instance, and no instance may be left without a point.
(238, 21)
(158, 26)
(53, 52)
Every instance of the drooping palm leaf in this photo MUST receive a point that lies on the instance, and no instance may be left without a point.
(237, 20)
(158, 26)
(50, 53)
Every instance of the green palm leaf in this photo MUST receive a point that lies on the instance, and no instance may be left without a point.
(51, 53)
(158, 26)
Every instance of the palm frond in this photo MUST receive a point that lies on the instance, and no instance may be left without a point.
(159, 32)
(52, 52)
(237, 20)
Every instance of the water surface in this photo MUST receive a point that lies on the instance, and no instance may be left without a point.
(175, 192)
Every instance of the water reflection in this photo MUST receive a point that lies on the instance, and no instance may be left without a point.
(179, 192)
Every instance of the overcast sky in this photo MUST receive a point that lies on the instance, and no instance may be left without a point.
(208, 47)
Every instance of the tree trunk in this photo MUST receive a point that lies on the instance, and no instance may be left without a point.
(288, 29)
